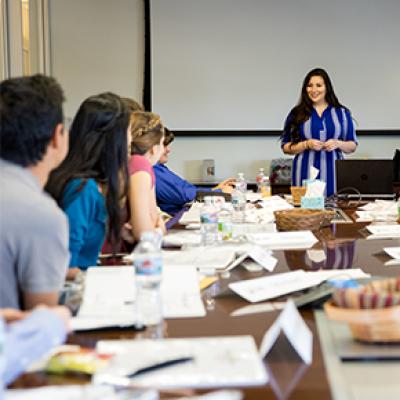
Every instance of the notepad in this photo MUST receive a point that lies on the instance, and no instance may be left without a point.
(283, 240)
(218, 361)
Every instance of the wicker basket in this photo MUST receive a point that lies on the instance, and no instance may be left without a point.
(370, 325)
(302, 219)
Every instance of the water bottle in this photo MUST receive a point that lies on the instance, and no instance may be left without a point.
(266, 187)
(148, 266)
(208, 222)
(241, 183)
(239, 205)
(2, 356)
(260, 179)
(225, 226)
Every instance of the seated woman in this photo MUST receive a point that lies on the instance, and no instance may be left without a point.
(147, 138)
(173, 192)
(93, 179)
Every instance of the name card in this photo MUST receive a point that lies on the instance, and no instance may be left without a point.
(295, 329)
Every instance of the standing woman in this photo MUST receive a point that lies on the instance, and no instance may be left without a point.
(318, 131)
(92, 181)
(147, 146)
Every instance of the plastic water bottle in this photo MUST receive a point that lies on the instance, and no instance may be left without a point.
(260, 180)
(148, 266)
(239, 205)
(241, 183)
(208, 222)
(225, 226)
(2, 356)
(266, 187)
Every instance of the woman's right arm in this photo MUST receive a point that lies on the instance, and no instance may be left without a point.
(300, 147)
(140, 203)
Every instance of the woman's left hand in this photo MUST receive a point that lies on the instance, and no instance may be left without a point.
(331, 144)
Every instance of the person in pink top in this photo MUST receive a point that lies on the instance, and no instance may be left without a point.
(147, 138)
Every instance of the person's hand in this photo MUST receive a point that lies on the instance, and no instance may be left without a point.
(126, 233)
(314, 144)
(62, 312)
(227, 185)
(11, 314)
(72, 273)
(331, 144)
(161, 224)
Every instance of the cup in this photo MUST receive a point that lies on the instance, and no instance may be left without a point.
(297, 193)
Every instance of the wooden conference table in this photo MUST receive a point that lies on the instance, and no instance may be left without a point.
(345, 247)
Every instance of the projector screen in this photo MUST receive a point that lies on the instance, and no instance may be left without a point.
(229, 65)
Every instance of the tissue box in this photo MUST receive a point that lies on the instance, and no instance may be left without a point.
(316, 203)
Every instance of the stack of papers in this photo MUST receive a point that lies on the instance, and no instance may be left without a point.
(217, 361)
(269, 287)
(110, 292)
(379, 210)
(384, 231)
(283, 240)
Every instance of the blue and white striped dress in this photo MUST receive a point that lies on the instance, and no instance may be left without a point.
(334, 123)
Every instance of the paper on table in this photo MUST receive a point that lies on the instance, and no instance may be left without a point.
(384, 231)
(269, 287)
(284, 240)
(180, 238)
(218, 361)
(181, 300)
(75, 392)
(295, 329)
(393, 252)
(263, 257)
(192, 215)
(109, 297)
(217, 257)
(258, 308)
(316, 255)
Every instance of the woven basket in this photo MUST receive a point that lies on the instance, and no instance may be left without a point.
(302, 219)
(371, 325)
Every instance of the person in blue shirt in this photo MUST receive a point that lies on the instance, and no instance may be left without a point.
(318, 130)
(93, 180)
(173, 192)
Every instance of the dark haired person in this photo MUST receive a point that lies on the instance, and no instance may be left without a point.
(172, 191)
(92, 181)
(318, 131)
(34, 234)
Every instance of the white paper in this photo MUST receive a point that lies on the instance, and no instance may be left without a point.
(269, 287)
(384, 231)
(296, 331)
(180, 293)
(218, 361)
(313, 172)
(393, 252)
(212, 257)
(263, 257)
(316, 255)
(258, 308)
(75, 392)
(283, 240)
(181, 238)
(109, 297)
(192, 215)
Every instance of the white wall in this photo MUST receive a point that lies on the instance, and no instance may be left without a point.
(98, 45)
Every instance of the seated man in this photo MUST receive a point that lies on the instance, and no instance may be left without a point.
(34, 233)
(173, 192)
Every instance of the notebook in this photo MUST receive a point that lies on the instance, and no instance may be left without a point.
(372, 178)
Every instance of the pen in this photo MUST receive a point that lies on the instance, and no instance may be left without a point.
(160, 365)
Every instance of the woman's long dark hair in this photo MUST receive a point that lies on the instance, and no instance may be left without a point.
(302, 111)
(98, 149)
